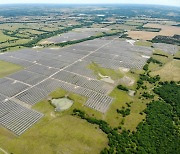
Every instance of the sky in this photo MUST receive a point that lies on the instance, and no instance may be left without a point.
(159, 2)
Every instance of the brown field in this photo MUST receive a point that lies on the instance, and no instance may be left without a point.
(166, 31)
(169, 72)
(142, 35)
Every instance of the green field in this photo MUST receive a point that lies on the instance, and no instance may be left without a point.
(105, 72)
(8, 68)
(143, 43)
(4, 37)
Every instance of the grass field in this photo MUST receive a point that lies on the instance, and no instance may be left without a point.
(143, 43)
(20, 41)
(133, 23)
(170, 69)
(8, 68)
(105, 72)
(121, 26)
(4, 37)
(169, 72)
(177, 54)
(121, 98)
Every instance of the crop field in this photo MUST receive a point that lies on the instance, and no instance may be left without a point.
(142, 35)
(166, 30)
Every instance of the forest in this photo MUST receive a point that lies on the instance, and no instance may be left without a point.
(161, 116)
(175, 40)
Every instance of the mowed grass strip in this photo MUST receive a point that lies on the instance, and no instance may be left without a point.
(8, 68)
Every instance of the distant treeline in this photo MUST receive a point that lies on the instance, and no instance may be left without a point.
(124, 11)
(149, 29)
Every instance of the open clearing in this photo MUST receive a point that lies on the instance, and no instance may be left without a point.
(169, 72)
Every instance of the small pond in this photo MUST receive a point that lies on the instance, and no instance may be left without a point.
(62, 104)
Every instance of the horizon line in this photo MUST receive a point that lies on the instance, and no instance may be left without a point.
(90, 4)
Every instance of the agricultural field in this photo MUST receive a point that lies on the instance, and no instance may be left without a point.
(166, 30)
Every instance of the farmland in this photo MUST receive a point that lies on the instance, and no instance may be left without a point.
(166, 30)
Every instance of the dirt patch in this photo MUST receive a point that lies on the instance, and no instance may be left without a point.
(142, 35)
(131, 93)
(106, 78)
(53, 115)
(131, 42)
(124, 70)
(127, 81)
(62, 104)
(147, 57)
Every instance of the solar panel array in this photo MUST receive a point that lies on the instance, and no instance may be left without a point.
(168, 48)
(49, 69)
(17, 118)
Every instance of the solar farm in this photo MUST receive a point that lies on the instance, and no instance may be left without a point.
(46, 70)
(70, 36)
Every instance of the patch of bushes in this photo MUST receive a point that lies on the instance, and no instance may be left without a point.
(152, 60)
(175, 40)
(124, 112)
(147, 96)
(121, 87)
(145, 67)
